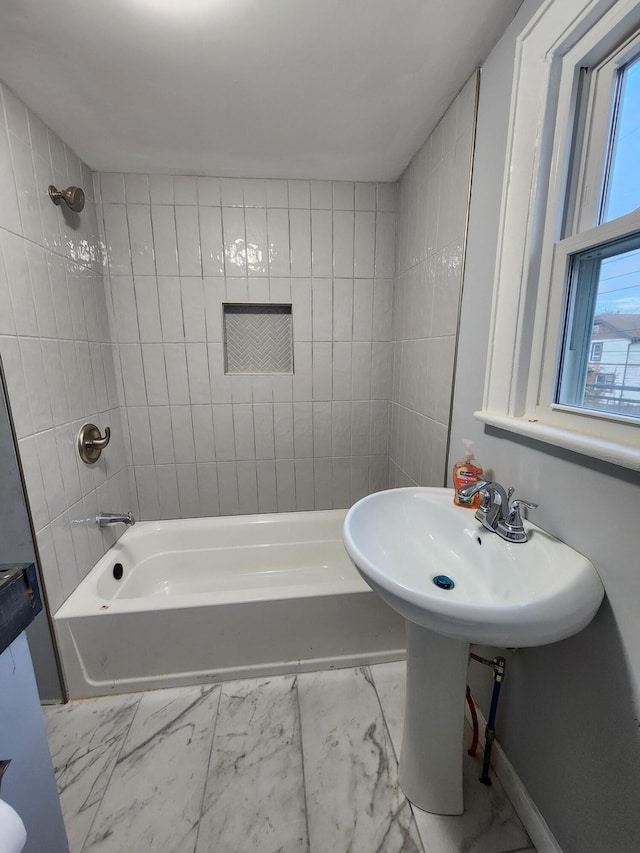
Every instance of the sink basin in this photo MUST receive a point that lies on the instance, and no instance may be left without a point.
(505, 594)
(492, 592)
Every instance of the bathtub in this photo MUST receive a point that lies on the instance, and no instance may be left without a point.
(212, 599)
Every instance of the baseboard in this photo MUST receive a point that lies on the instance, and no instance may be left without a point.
(521, 800)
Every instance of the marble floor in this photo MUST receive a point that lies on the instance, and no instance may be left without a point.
(289, 763)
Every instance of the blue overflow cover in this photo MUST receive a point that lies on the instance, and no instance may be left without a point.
(444, 582)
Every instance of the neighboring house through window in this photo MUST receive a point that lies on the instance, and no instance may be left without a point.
(615, 363)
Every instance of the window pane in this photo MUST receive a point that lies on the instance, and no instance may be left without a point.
(622, 186)
(600, 364)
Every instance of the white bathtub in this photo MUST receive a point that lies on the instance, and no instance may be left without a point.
(211, 599)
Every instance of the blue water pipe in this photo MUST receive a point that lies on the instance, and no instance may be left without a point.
(498, 665)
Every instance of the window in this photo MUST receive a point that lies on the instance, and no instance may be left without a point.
(621, 190)
(564, 363)
(604, 378)
(602, 327)
(602, 302)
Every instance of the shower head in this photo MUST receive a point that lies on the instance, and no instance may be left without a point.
(73, 197)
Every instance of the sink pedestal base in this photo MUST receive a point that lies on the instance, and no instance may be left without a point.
(432, 743)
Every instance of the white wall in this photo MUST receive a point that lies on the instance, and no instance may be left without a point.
(55, 346)
(434, 198)
(569, 713)
(205, 443)
(315, 440)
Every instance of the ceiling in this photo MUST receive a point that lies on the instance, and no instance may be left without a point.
(336, 89)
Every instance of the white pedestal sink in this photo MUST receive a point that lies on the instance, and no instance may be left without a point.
(504, 594)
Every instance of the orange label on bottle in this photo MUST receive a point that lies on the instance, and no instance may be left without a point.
(465, 475)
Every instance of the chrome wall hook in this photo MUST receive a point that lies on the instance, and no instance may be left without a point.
(91, 443)
(73, 197)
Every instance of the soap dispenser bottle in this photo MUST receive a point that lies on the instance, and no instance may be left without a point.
(466, 472)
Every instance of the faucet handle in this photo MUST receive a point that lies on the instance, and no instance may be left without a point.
(510, 492)
(514, 518)
(528, 504)
(511, 528)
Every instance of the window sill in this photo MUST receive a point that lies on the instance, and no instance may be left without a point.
(608, 451)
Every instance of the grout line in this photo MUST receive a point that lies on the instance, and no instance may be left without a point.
(293, 451)
(207, 772)
(126, 735)
(372, 681)
(472, 164)
(231, 383)
(304, 778)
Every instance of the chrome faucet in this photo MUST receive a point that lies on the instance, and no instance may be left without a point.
(497, 512)
(108, 519)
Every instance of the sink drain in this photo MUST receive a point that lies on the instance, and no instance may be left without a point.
(444, 582)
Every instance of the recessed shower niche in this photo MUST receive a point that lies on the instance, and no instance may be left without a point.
(258, 338)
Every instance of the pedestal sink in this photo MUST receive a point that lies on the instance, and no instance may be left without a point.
(503, 594)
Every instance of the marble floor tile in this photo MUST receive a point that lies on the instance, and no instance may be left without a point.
(353, 799)
(154, 798)
(489, 823)
(254, 797)
(225, 769)
(85, 739)
(390, 680)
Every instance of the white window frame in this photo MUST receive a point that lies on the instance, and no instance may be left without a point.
(594, 158)
(529, 287)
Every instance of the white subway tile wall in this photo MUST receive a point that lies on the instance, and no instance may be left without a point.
(431, 236)
(55, 344)
(115, 316)
(204, 443)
